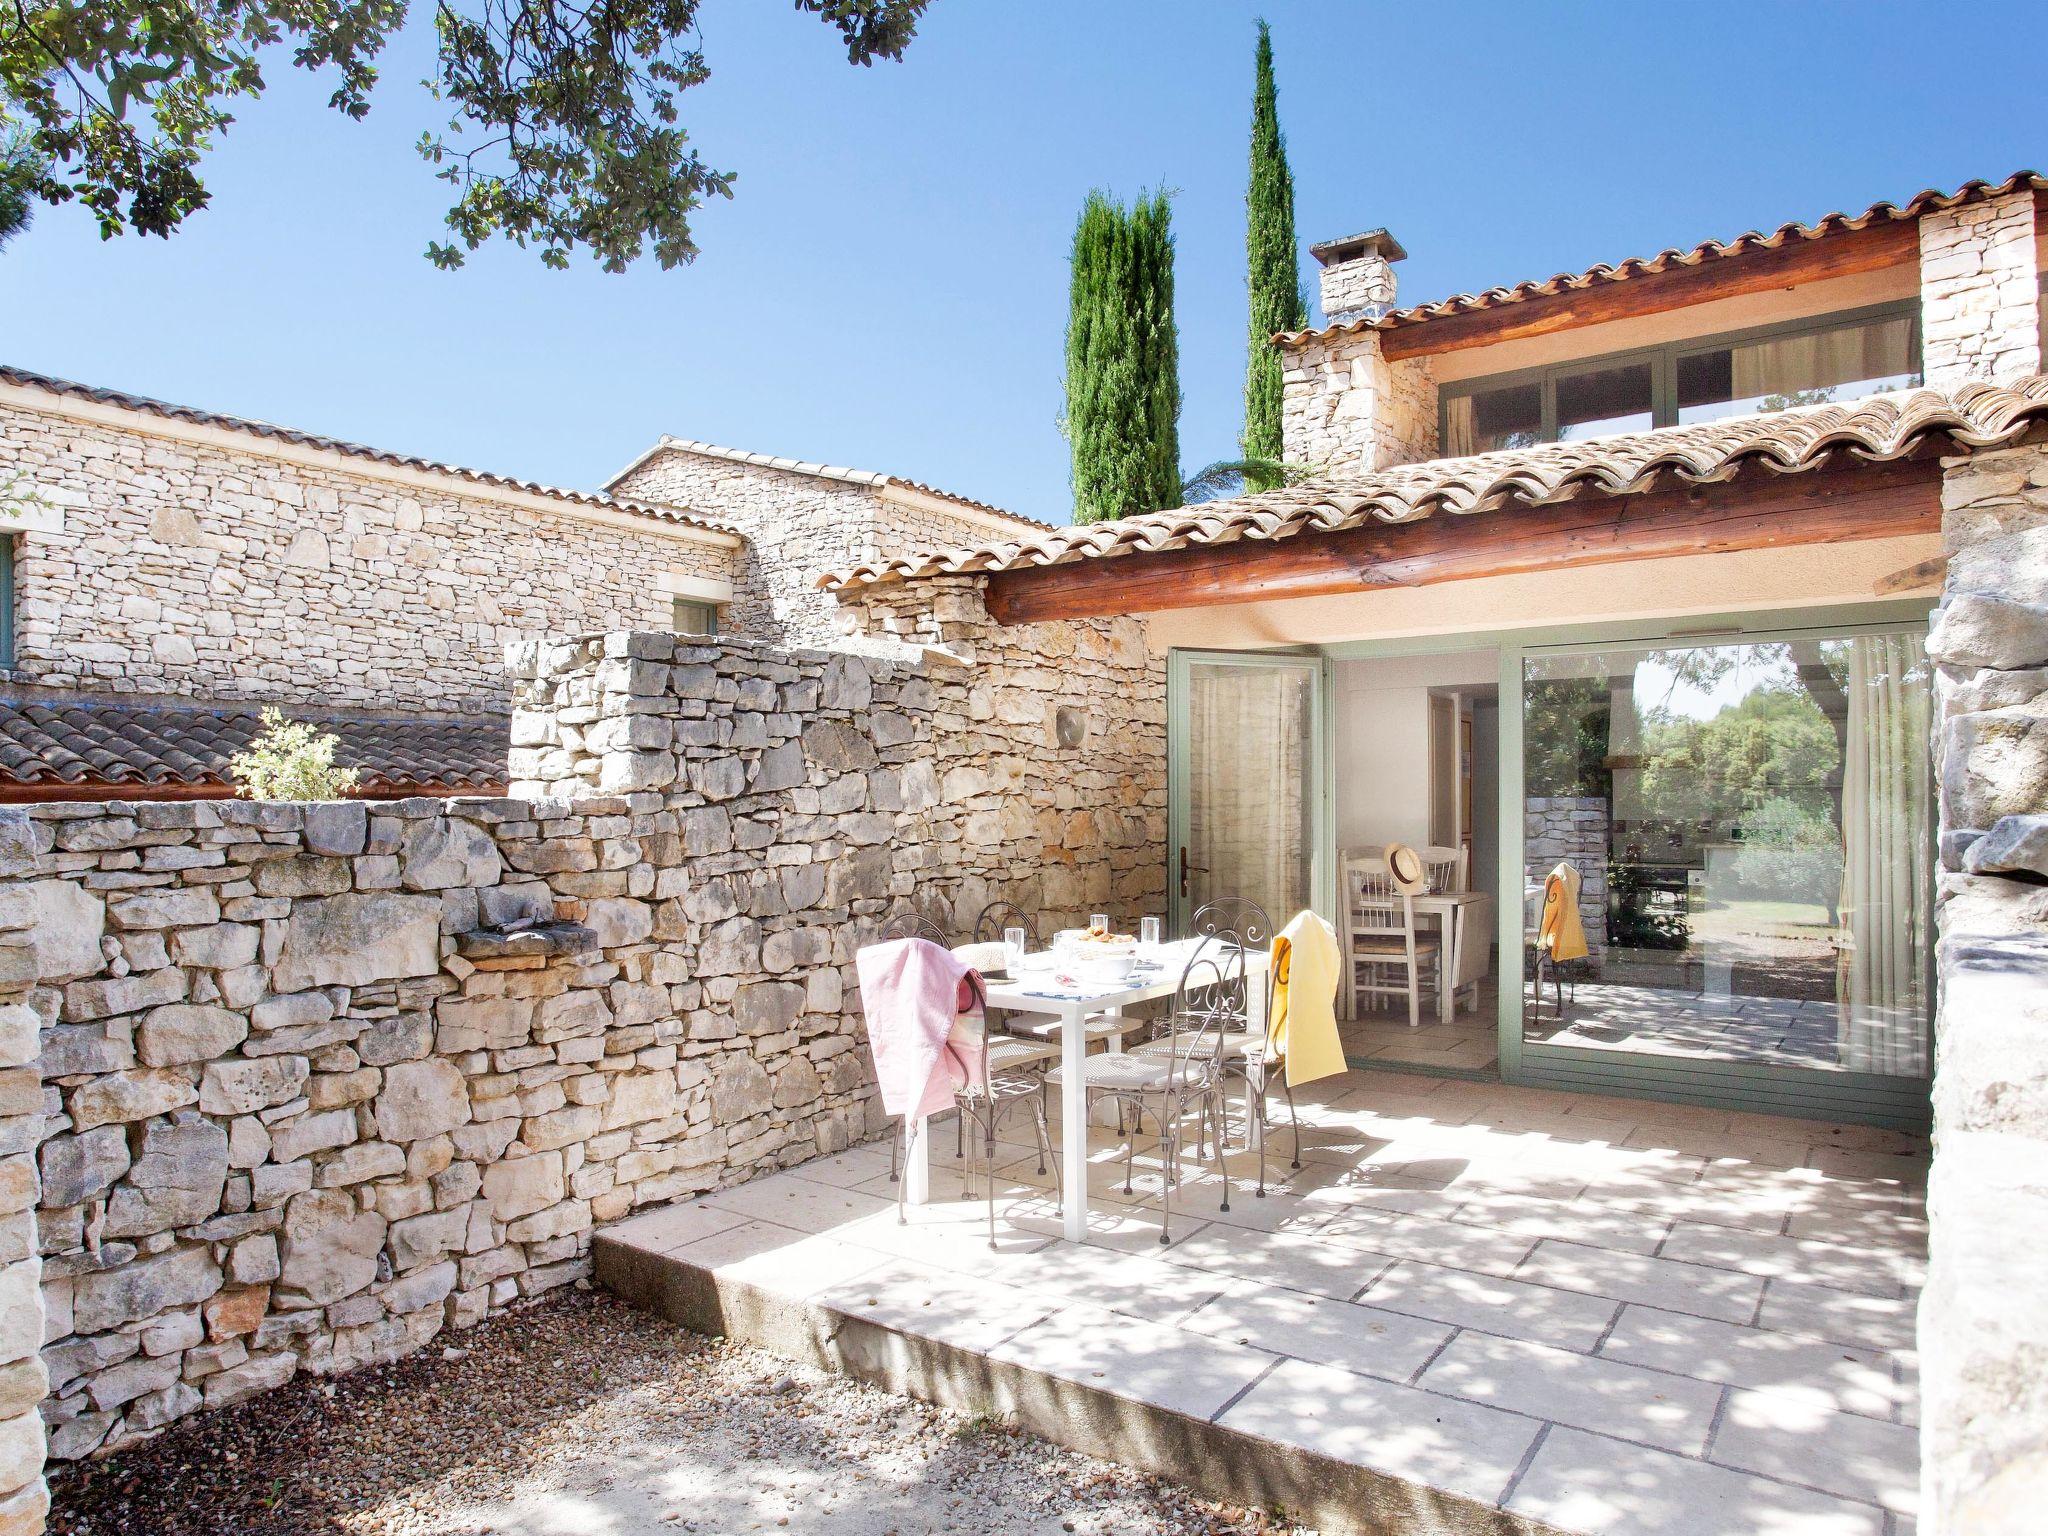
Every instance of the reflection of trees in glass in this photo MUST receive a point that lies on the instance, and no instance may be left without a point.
(1637, 919)
(1564, 738)
(1786, 399)
(1766, 770)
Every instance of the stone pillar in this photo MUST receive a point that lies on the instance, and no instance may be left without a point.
(1347, 409)
(24, 1496)
(1979, 291)
(1983, 1327)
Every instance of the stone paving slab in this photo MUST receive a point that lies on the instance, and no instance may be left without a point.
(1517, 1332)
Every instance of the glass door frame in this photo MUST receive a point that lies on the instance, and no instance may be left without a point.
(1179, 770)
(1856, 1096)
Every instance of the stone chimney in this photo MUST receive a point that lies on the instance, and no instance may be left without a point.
(1358, 275)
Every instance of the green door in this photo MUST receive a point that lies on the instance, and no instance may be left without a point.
(1247, 781)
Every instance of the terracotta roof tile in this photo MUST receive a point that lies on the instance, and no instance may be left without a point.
(1669, 260)
(143, 404)
(1882, 427)
(72, 741)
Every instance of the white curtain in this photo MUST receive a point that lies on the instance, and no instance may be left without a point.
(1880, 350)
(1887, 868)
(1248, 812)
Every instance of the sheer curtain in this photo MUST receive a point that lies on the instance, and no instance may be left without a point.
(1248, 813)
(1818, 359)
(1887, 874)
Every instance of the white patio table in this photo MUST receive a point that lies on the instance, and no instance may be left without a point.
(1043, 993)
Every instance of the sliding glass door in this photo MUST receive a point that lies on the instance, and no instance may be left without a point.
(1246, 794)
(1726, 876)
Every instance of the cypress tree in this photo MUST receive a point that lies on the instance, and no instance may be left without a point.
(1272, 278)
(1123, 360)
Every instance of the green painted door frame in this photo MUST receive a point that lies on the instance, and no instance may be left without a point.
(1848, 1096)
(1322, 877)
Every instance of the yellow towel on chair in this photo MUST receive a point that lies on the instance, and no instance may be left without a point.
(1560, 932)
(1303, 1031)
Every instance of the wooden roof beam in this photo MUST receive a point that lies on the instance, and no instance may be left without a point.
(1758, 510)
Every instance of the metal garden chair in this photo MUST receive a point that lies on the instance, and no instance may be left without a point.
(1182, 1069)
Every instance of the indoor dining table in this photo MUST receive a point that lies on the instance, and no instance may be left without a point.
(1061, 992)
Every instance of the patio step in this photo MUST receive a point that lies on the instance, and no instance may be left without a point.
(927, 1331)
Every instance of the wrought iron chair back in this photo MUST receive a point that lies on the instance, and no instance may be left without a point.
(1239, 915)
(998, 915)
(912, 925)
(1212, 1000)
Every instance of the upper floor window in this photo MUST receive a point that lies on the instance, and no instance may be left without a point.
(1804, 362)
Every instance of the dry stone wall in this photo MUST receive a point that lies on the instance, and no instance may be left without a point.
(322, 1080)
(28, 951)
(1984, 1314)
(316, 1082)
(802, 525)
(1050, 747)
(204, 570)
(797, 525)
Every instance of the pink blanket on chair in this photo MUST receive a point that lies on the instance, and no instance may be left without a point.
(913, 993)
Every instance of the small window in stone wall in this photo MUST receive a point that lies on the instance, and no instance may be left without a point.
(694, 617)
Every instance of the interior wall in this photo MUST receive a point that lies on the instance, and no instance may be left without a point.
(1382, 734)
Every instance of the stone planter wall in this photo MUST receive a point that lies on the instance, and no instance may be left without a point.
(1984, 1315)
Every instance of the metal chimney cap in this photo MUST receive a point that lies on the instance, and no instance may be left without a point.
(1374, 242)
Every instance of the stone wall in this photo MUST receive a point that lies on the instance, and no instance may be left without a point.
(326, 1079)
(1025, 763)
(798, 526)
(319, 1081)
(1050, 742)
(209, 569)
(26, 953)
(801, 524)
(1984, 1315)
(1352, 288)
(1980, 291)
(1348, 410)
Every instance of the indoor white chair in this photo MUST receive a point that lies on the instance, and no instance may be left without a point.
(1447, 869)
(1384, 953)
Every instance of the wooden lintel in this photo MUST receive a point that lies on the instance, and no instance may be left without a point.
(1890, 244)
(1757, 510)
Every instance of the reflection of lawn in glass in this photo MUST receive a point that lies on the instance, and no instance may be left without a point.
(1768, 923)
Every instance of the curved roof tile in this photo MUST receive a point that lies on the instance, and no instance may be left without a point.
(1882, 427)
(1669, 260)
(74, 741)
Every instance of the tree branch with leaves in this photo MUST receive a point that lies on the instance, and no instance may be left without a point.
(564, 129)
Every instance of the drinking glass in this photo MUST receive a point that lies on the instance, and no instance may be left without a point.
(1149, 932)
(1013, 951)
(1099, 923)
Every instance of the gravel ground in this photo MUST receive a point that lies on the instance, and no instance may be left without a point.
(582, 1416)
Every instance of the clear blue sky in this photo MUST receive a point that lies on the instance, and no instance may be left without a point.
(888, 288)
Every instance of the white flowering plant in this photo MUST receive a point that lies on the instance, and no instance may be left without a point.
(290, 760)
